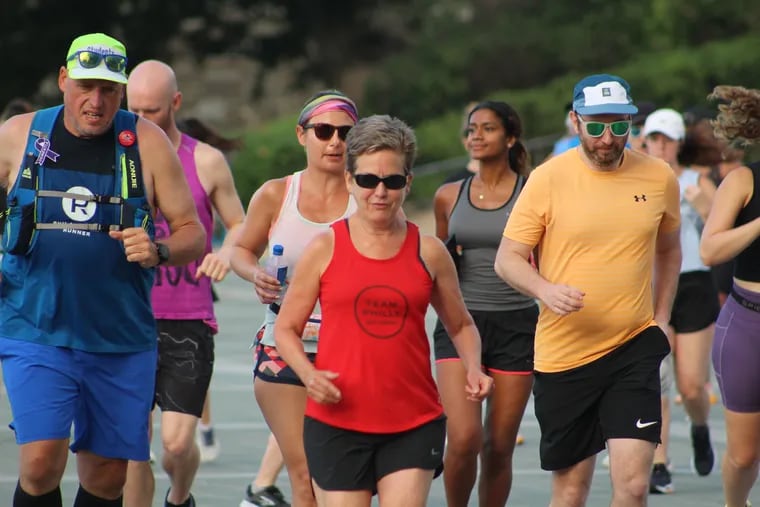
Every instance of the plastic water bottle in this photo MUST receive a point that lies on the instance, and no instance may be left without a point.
(276, 266)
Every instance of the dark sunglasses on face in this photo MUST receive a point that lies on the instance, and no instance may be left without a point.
(635, 130)
(325, 131)
(618, 128)
(90, 59)
(392, 182)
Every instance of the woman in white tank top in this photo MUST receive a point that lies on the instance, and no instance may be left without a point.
(290, 211)
(695, 307)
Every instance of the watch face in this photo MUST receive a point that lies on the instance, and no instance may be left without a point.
(163, 253)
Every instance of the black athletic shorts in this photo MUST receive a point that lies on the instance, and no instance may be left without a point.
(616, 396)
(696, 305)
(507, 340)
(185, 364)
(345, 460)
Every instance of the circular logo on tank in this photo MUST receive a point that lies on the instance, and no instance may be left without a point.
(76, 209)
(381, 311)
(127, 138)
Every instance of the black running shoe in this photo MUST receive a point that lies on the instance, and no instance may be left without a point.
(704, 458)
(661, 481)
(190, 502)
(271, 496)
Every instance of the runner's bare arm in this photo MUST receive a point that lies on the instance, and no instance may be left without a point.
(223, 194)
(722, 241)
(13, 134)
(446, 299)
(216, 177)
(254, 236)
(667, 267)
(297, 306)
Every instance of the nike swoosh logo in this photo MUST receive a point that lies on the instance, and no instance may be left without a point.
(641, 425)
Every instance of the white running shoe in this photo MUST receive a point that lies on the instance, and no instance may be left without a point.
(207, 444)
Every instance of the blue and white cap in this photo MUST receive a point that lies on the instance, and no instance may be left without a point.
(603, 94)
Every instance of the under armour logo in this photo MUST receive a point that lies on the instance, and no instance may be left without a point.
(640, 198)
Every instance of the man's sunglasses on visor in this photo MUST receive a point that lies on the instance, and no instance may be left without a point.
(89, 59)
(392, 182)
(325, 131)
(618, 128)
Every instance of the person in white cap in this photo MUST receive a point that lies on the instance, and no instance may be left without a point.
(695, 309)
(605, 220)
(77, 334)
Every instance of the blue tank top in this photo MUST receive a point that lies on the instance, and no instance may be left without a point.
(74, 287)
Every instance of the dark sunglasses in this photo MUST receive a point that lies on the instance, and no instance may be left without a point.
(596, 128)
(635, 130)
(325, 131)
(89, 59)
(392, 182)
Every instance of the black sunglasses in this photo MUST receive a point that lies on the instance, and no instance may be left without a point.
(392, 182)
(89, 59)
(325, 131)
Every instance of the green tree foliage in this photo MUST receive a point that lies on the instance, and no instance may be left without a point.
(679, 78)
(519, 44)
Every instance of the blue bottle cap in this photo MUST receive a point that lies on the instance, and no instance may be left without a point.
(277, 250)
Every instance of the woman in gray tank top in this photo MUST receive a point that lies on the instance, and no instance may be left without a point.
(470, 217)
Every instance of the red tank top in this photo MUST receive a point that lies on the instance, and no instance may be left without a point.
(373, 335)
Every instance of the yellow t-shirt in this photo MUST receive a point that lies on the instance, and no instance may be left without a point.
(595, 231)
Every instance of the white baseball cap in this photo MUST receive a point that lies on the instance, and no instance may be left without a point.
(665, 121)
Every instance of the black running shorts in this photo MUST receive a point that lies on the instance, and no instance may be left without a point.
(185, 364)
(616, 396)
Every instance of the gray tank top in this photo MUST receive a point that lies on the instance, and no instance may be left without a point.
(479, 233)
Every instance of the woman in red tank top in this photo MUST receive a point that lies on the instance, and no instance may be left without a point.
(374, 422)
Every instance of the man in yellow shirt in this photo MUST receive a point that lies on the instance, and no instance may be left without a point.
(605, 222)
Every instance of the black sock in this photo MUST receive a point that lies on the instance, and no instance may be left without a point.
(86, 499)
(186, 503)
(23, 499)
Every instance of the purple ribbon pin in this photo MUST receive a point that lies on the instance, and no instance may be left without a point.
(42, 144)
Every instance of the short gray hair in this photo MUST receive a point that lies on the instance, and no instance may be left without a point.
(381, 132)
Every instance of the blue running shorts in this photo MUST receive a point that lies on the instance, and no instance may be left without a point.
(108, 397)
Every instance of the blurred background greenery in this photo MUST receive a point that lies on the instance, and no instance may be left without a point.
(420, 60)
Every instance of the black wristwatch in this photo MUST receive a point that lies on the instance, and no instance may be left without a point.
(163, 253)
